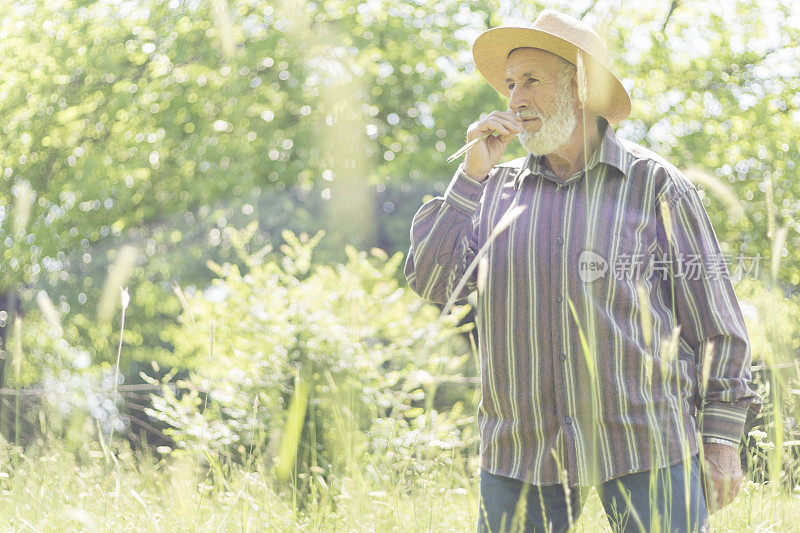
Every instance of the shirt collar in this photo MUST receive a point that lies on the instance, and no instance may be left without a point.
(610, 151)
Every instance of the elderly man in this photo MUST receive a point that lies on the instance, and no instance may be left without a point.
(589, 377)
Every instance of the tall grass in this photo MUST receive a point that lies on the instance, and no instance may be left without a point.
(49, 488)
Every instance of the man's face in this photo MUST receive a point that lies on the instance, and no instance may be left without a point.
(542, 99)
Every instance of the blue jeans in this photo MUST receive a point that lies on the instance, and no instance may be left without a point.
(626, 500)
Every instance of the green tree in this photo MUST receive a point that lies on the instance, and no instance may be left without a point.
(157, 123)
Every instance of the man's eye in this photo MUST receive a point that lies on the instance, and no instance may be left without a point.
(528, 80)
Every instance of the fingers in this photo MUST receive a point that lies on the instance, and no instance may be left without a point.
(710, 490)
(720, 491)
(507, 132)
(508, 114)
(507, 129)
(504, 123)
(483, 155)
(712, 496)
(722, 475)
(508, 119)
(502, 126)
(733, 486)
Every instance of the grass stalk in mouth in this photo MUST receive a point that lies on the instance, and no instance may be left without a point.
(461, 151)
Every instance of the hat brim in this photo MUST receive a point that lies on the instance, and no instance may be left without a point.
(607, 96)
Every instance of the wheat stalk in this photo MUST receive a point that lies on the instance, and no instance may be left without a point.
(581, 68)
(467, 146)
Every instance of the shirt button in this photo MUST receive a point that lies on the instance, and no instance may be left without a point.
(560, 240)
(568, 420)
(563, 356)
(559, 298)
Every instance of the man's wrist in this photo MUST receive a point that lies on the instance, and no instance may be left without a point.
(717, 440)
(464, 192)
(472, 174)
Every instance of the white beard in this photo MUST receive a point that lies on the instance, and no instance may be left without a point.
(556, 129)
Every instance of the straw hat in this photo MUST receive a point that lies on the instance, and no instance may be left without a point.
(563, 36)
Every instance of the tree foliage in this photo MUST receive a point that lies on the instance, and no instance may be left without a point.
(161, 124)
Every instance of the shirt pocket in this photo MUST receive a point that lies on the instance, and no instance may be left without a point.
(608, 272)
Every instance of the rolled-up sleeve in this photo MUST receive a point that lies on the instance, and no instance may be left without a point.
(444, 240)
(710, 320)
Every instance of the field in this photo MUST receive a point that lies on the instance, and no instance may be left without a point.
(63, 491)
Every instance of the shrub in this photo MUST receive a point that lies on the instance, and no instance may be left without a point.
(357, 355)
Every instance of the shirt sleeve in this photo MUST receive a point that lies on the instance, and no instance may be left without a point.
(444, 240)
(711, 321)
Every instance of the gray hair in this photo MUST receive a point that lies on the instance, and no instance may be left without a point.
(566, 71)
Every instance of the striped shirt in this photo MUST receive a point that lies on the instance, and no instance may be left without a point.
(590, 369)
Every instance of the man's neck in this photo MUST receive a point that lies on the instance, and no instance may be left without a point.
(572, 156)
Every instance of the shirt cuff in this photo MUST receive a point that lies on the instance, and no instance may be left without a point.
(464, 192)
(723, 420)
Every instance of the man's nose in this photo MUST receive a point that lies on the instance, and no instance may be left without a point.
(517, 100)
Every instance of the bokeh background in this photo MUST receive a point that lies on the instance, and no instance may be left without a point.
(247, 172)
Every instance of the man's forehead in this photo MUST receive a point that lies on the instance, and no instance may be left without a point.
(532, 54)
(531, 59)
